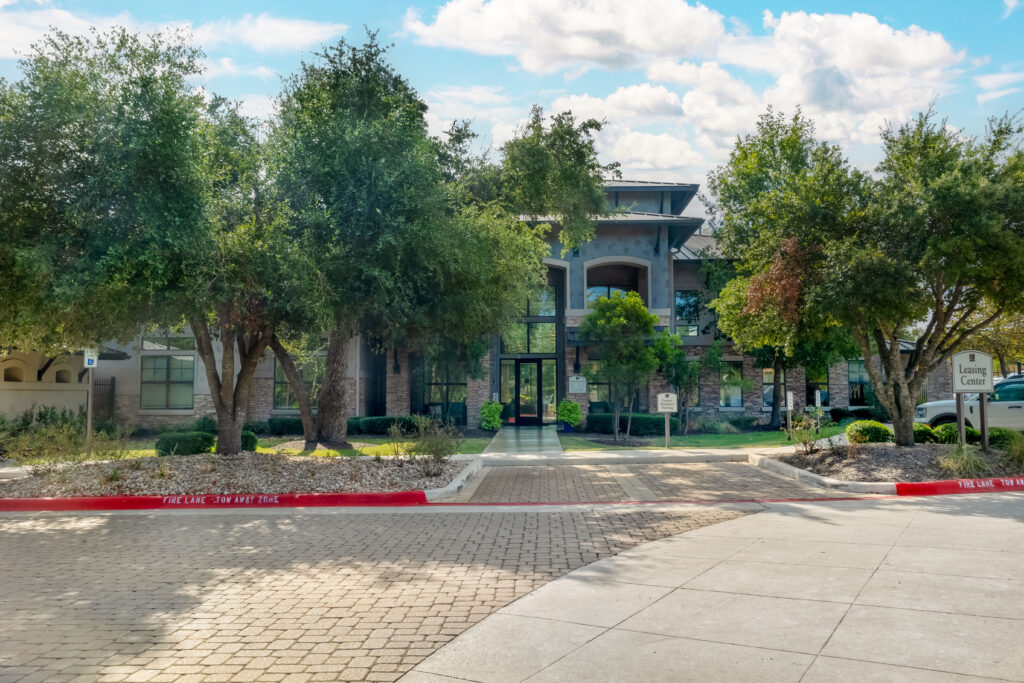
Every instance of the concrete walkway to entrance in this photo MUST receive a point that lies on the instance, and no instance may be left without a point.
(524, 441)
(924, 589)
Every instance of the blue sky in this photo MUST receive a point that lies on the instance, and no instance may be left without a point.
(676, 81)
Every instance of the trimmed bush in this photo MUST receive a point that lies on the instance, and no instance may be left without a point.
(743, 424)
(281, 426)
(868, 431)
(249, 440)
(838, 414)
(644, 424)
(381, 425)
(1001, 437)
(257, 427)
(923, 433)
(205, 424)
(184, 443)
(490, 416)
(355, 425)
(947, 434)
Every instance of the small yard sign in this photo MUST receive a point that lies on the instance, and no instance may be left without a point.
(577, 384)
(91, 356)
(667, 403)
(972, 372)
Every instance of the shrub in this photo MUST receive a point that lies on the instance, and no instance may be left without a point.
(281, 426)
(862, 414)
(838, 414)
(923, 433)
(868, 431)
(46, 448)
(644, 424)
(807, 440)
(964, 463)
(355, 425)
(490, 415)
(249, 440)
(1015, 449)
(205, 424)
(257, 427)
(381, 425)
(184, 443)
(1001, 437)
(569, 412)
(742, 423)
(433, 446)
(946, 433)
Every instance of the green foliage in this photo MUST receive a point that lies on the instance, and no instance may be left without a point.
(569, 412)
(553, 171)
(257, 427)
(868, 431)
(284, 426)
(184, 443)
(618, 329)
(381, 425)
(249, 440)
(1015, 450)
(947, 433)
(432, 447)
(643, 424)
(1001, 437)
(924, 434)
(205, 424)
(681, 373)
(965, 462)
(490, 416)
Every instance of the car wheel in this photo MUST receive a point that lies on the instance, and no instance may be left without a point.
(939, 421)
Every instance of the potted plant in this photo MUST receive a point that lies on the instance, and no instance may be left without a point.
(569, 414)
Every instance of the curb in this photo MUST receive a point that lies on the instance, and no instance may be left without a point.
(214, 500)
(456, 484)
(942, 488)
(790, 472)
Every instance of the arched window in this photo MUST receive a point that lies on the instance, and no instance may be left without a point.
(13, 373)
(62, 377)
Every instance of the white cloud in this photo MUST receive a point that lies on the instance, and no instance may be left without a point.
(1010, 6)
(225, 66)
(487, 106)
(639, 152)
(547, 36)
(19, 28)
(995, 94)
(261, 107)
(993, 81)
(644, 102)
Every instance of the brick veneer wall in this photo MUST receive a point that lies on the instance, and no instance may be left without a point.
(478, 391)
(570, 360)
(940, 382)
(261, 398)
(839, 385)
(397, 385)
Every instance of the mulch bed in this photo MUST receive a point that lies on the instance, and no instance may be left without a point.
(887, 462)
(242, 473)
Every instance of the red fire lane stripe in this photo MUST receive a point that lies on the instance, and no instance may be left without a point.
(938, 488)
(215, 500)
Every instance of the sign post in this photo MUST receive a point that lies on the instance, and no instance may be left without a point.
(668, 404)
(90, 360)
(817, 411)
(972, 374)
(789, 416)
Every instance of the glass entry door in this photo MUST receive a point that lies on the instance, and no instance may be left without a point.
(528, 392)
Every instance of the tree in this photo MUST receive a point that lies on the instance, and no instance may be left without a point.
(944, 234)
(682, 373)
(1003, 338)
(778, 181)
(619, 329)
(101, 187)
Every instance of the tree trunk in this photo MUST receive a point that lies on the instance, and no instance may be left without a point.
(300, 391)
(629, 419)
(229, 434)
(1002, 366)
(777, 397)
(684, 416)
(332, 416)
(616, 411)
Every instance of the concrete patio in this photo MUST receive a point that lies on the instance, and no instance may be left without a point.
(924, 589)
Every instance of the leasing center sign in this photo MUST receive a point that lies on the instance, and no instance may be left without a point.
(972, 372)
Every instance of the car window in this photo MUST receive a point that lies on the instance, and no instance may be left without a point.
(1009, 392)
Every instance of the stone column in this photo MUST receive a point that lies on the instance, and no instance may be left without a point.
(397, 384)
(478, 391)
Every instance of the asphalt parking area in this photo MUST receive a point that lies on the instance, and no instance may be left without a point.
(285, 594)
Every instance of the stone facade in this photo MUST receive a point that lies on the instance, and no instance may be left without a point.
(478, 391)
(261, 398)
(397, 384)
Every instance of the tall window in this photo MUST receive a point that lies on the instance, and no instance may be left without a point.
(768, 388)
(165, 341)
(312, 373)
(817, 380)
(168, 382)
(595, 292)
(859, 383)
(687, 313)
(731, 390)
(529, 338)
(443, 392)
(541, 302)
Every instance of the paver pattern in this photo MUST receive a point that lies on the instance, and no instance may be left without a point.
(603, 483)
(275, 596)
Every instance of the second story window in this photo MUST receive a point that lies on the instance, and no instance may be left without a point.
(687, 313)
(597, 291)
(168, 372)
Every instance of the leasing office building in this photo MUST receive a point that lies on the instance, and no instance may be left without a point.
(649, 247)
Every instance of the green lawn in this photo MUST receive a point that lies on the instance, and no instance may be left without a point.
(379, 445)
(742, 440)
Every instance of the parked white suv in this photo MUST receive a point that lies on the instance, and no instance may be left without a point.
(1005, 408)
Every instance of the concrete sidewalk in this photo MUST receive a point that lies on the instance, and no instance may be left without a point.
(924, 589)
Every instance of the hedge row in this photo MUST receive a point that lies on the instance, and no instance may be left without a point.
(190, 443)
(644, 424)
(286, 426)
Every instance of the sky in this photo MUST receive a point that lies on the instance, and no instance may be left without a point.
(675, 81)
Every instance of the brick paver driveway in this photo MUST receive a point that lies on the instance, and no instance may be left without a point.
(612, 483)
(281, 595)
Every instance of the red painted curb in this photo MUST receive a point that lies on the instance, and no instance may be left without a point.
(216, 500)
(939, 488)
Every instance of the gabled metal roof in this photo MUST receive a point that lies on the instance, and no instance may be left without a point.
(694, 248)
(612, 185)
